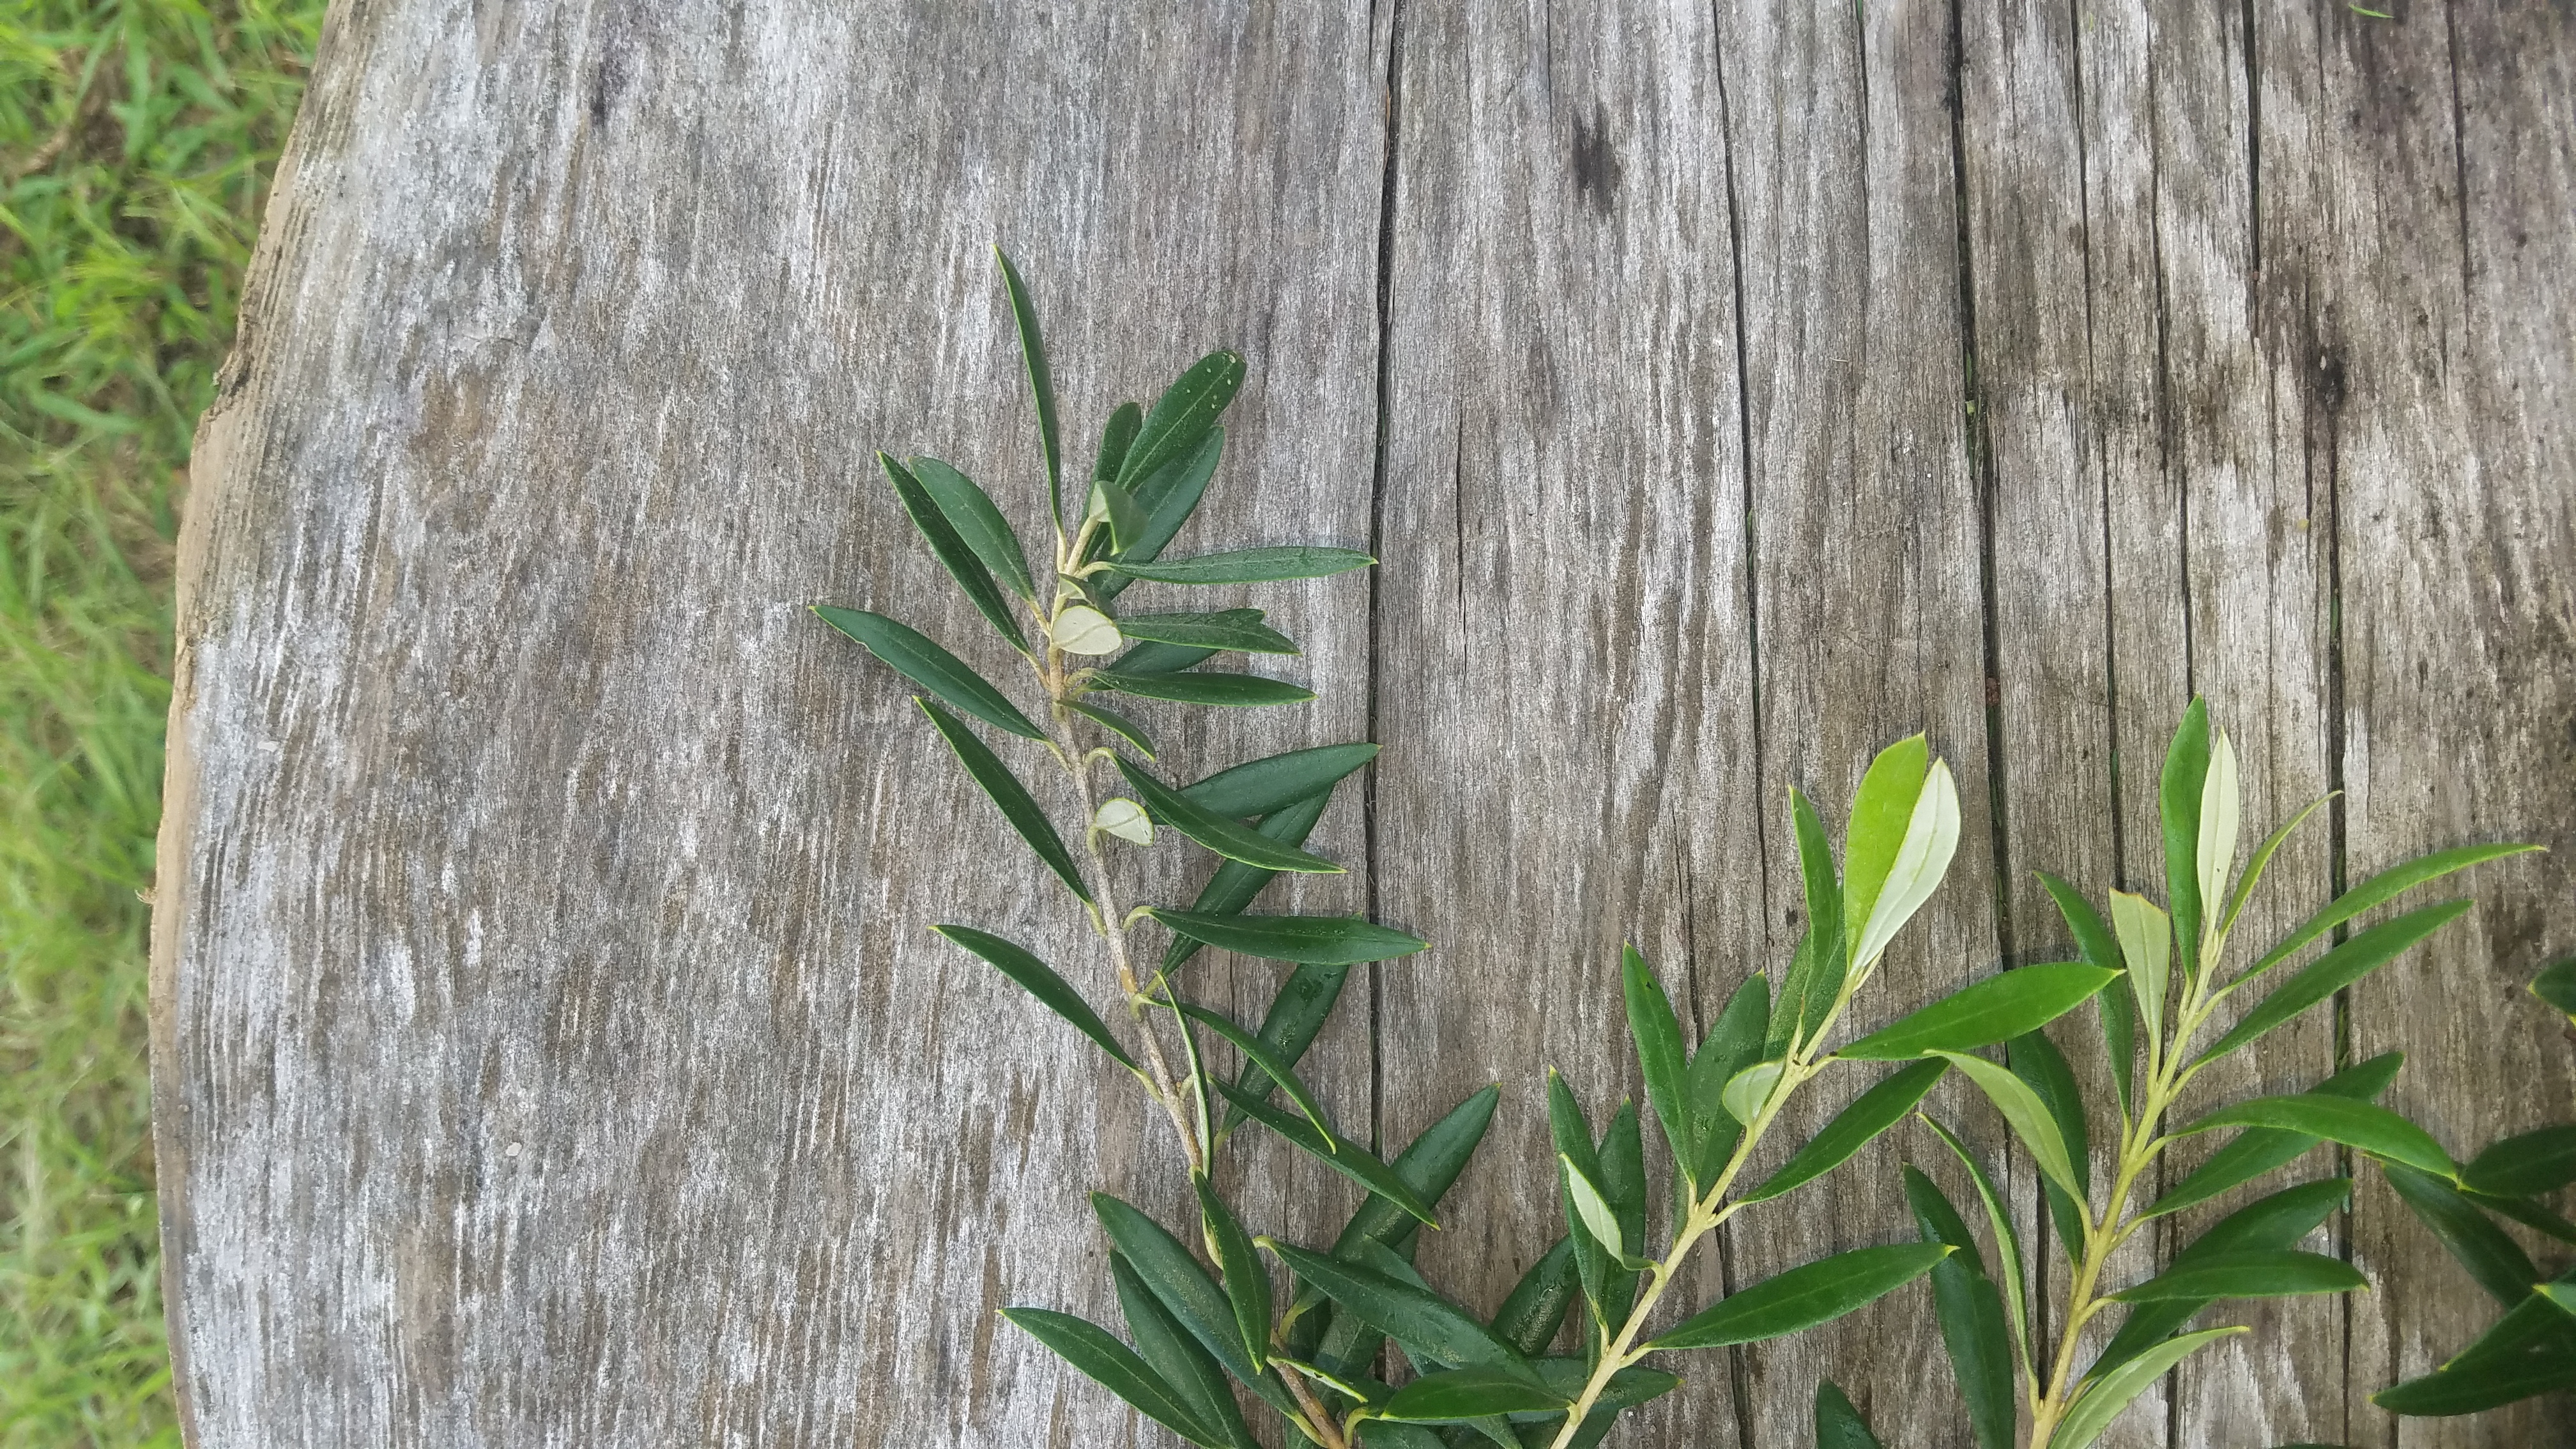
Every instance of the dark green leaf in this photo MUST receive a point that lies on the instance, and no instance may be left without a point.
(2257, 1273)
(2027, 1115)
(1258, 1053)
(1251, 566)
(1041, 383)
(1882, 810)
(2335, 970)
(1733, 1044)
(2095, 945)
(2178, 795)
(1225, 629)
(2262, 858)
(1185, 1291)
(2526, 1163)
(953, 553)
(1220, 833)
(1853, 1128)
(1622, 1157)
(1660, 1053)
(2557, 986)
(1117, 507)
(1296, 1014)
(1153, 658)
(1983, 1013)
(1804, 1297)
(1454, 1396)
(1247, 1285)
(1217, 687)
(2527, 1212)
(1336, 1152)
(1116, 723)
(1402, 1311)
(1838, 1424)
(1971, 1310)
(2358, 1125)
(1572, 1137)
(1183, 415)
(1627, 1388)
(1041, 982)
(970, 511)
(1167, 1348)
(2036, 1060)
(2251, 1154)
(1313, 940)
(1535, 1309)
(2385, 886)
(2491, 1384)
(1169, 497)
(1233, 887)
(1428, 1166)
(2492, 1257)
(2269, 1223)
(1007, 792)
(933, 668)
(1276, 782)
(2007, 1241)
(1115, 1367)
(1825, 923)
(1115, 438)
(2100, 1400)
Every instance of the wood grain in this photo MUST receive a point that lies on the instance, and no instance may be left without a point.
(548, 1045)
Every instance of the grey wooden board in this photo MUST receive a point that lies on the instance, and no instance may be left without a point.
(549, 1047)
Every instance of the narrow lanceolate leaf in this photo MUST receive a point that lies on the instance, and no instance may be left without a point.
(1455, 1396)
(1041, 383)
(1115, 1367)
(1235, 885)
(1838, 1424)
(1748, 1091)
(1008, 793)
(1297, 1012)
(1427, 1165)
(1222, 630)
(1931, 838)
(1153, 658)
(1971, 1311)
(1572, 1137)
(1594, 1212)
(1826, 965)
(1168, 498)
(2492, 1257)
(1276, 782)
(2007, 1245)
(2217, 844)
(1182, 415)
(1535, 1308)
(971, 512)
(1259, 1053)
(1169, 1350)
(1115, 438)
(2379, 889)
(2255, 1273)
(1250, 566)
(1731, 1045)
(2335, 970)
(2095, 944)
(1997, 1009)
(1116, 507)
(914, 657)
(1042, 982)
(1185, 1290)
(1336, 1152)
(2028, 1117)
(2041, 1067)
(2178, 792)
(1247, 1283)
(1219, 833)
(1311, 940)
(1882, 812)
(1853, 1128)
(1402, 1311)
(1116, 723)
(2261, 858)
(2146, 945)
(1217, 687)
(2259, 1150)
(1623, 1182)
(2489, 1384)
(1804, 1297)
(2557, 986)
(2526, 1163)
(2101, 1400)
(1658, 1036)
(2274, 1222)
(970, 572)
(2362, 1126)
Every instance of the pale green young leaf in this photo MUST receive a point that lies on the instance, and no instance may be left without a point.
(1007, 793)
(1931, 837)
(971, 511)
(1985, 1012)
(1882, 814)
(2100, 1401)
(2216, 847)
(1250, 566)
(1220, 833)
(1041, 383)
(2146, 944)
(1125, 819)
(1803, 1297)
(916, 658)
(1748, 1090)
(2028, 1117)
(1042, 982)
(1084, 630)
(1595, 1212)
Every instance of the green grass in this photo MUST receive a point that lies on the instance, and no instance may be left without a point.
(136, 141)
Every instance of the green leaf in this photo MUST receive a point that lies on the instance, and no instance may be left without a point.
(1258, 1053)
(1660, 1053)
(1116, 507)
(1312, 940)
(1402, 1311)
(1116, 723)
(2383, 887)
(1247, 1284)
(2253, 1153)
(1454, 1396)
(1116, 438)
(2029, 1118)
(2493, 1258)
(1217, 687)
(1731, 1046)
(2096, 946)
(1931, 838)
(1225, 629)
(1853, 1128)
(2527, 1212)
(1980, 1014)
(2041, 1067)
(1622, 1178)
(1882, 814)
(2273, 1222)
(935, 669)
(1593, 1211)
(1804, 1297)
(1251, 566)
(1749, 1090)
(1572, 1137)
(1535, 1308)
(1296, 1014)
(2178, 792)
(1627, 1388)
(978, 523)
(2335, 970)
(1042, 982)
(1154, 658)
(1276, 782)
(1167, 1348)
(1838, 1424)
(1009, 794)
(2487, 1385)
(2263, 857)
(1168, 498)
(1971, 1311)
(2146, 944)
(2361, 1126)
(2557, 986)
(2216, 849)
(953, 553)
(1234, 886)
(1183, 415)
(2007, 1242)
(1115, 1367)
(1428, 1166)
(1826, 966)
(2101, 1400)
(2272, 1273)
(2526, 1163)
(1334, 1151)
(1041, 383)
(1186, 1291)
(1219, 833)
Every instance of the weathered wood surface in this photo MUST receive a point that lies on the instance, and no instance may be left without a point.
(548, 1048)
